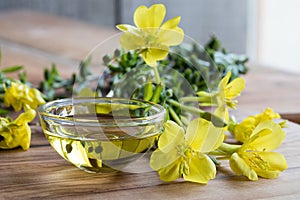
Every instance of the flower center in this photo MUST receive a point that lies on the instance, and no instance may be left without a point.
(256, 162)
(185, 152)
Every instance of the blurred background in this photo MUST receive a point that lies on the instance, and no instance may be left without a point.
(267, 31)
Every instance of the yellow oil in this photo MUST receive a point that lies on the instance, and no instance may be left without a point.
(103, 155)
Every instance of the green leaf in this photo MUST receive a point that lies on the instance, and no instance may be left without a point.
(3, 111)
(106, 59)
(12, 69)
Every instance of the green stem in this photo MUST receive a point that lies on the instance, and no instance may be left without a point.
(194, 99)
(229, 148)
(218, 152)
(157, 76)
(175, 117)
(225, 150)
(184, 120)
(190, 109)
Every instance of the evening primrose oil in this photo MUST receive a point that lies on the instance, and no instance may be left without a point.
(112, 152)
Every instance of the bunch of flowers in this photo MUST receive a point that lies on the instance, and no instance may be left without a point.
(190, 148)
(14, 133)
(193, 140)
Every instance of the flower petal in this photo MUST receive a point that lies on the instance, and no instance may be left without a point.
(223, 83)
(160, 159)
(131, 41)
(149, 17)
(203, 136)
(243, 130)
(222, 112)
(276, 163)
(127, 27)
(172, 136)
(171, 23)
(25, 117)
(240, 167)
(171, 172)
(267, 136)
(154, 54)
(268, 114)
(234, 88)
(201, 169)
(170, 34)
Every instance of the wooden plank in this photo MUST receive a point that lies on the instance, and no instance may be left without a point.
(42, 173)
(270, 88)
(294, 117)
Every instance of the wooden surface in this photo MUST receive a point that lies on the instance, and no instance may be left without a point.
(41, 173)
(35, 41)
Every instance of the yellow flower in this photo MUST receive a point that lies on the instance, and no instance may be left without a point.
(229, 91)
(16, 133)
(18, 95)
(224, 97)
(226, 94)
(184, 155)
(255, 157)
(149, 36)
(243, 130)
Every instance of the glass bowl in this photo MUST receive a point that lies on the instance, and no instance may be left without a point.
(101, 134)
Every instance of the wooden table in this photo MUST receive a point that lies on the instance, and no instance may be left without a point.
(37, 40)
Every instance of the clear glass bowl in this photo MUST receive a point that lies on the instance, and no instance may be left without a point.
(101, 134)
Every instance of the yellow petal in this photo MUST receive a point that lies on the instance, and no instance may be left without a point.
(25, 117)
(169, 34)
(234, 88)
(171, 37)
(24, 136)
(203, 136)
(126, 27)
(224, 81)
(240, 167)
(154, 54)
(160, 159)
(269, 136)
(222, 112)
(36, 97)
(268, 114)
(130, 41)
(171, 23)
(243, 130)
(149, 17)
(276, 164)
(172, 136)
(171, 172)
(201, 169)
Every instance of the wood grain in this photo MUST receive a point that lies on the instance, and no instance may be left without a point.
(41, 173)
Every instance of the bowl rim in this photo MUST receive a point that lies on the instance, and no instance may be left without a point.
(159, 116)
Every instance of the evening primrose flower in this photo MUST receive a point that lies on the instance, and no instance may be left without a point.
(255, 157)
(18, 95)
(243, 130)
(229, 91)
(181, 154)
(224, 97)
(149, 36)
(226, 93)
(16, 133)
